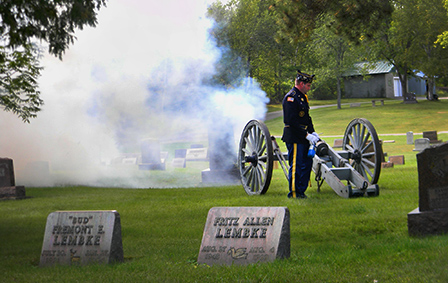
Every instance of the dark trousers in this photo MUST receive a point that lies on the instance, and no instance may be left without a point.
(299, 168)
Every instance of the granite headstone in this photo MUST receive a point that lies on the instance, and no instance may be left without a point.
(432, 136)
(81, 238)
(409, 138)
(431, 217)
(421, 144)
(245, 235)
(8, 188)
(397, 159)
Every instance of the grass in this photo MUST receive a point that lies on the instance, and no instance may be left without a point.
(332, 239)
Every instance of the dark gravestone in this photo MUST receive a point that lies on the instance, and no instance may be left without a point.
(245, 235)
(8, 188)
(151, 155)
(222, 157)
(81, 238)
(431, 217)
(432, 136)
(180, 153)
(6, 173)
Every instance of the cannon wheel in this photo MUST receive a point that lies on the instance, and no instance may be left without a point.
(255, 158)
(366, 153)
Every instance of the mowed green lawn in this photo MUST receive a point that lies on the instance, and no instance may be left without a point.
(332, 239)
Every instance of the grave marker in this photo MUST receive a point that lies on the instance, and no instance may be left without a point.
(421, 144)
(245, 235)
(338, 143)
(196, 154)
(432, 136)
(179, 163)
(432, 214)
(151, 155)
(8, 188)
(82, 237)
(397, 159)
(409, 138)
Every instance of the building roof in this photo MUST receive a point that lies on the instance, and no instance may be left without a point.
(368, 68)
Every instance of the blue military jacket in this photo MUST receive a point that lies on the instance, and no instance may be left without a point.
(296, 117)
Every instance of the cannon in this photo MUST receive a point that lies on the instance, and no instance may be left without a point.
(358, 163)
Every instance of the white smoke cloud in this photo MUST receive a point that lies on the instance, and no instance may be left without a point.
(139, 74)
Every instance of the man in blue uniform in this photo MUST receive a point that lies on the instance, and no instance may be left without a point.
(298, 134)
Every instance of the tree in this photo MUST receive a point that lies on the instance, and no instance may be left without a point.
(23, 22)
(409, 41)
(333, 55)
(352, 18)
(433, 58)
(248, 33)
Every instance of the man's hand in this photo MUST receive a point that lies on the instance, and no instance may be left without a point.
(312, 138)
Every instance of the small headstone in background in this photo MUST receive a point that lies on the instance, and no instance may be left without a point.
(409, 138)
(82, 237)
(432, 214)
(387, 164)
(432, 136)
(151, 155)
(397, 159)
(179, 163)
(337, 143)
(421, 144)
(197, 154)
(244, 235)
(180, 153)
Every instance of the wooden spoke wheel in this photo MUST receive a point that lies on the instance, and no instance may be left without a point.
(255, 158)
(365, 151)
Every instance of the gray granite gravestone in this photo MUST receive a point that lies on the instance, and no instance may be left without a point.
(421, 144)
(8, 188)
(409, 138)
(245, 235)
(431, 217)
(81, 238)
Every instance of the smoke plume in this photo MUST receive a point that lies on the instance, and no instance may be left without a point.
(138, 75)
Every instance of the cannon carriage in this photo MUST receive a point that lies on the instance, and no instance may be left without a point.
(358, 163)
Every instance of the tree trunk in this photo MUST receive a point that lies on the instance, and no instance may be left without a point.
(339, 91)
(430, 86)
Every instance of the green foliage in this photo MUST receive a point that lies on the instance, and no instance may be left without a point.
(246, 32)
(21, 24)
(19, 71)
(353, 19)
(51, 21)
